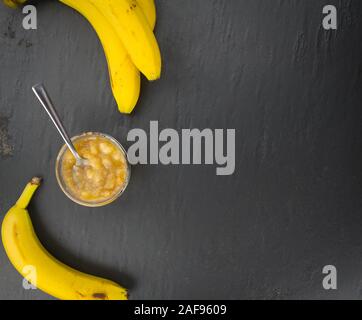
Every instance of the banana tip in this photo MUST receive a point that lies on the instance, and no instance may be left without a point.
(35, 181)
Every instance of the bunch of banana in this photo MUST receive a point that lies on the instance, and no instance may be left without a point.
(53, 277)
(125, 29)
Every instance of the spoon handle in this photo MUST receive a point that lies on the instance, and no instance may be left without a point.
(45, 101)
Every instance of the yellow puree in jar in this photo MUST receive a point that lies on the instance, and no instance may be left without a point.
(104, 175)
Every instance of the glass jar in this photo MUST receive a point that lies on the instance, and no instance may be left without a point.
(65, 176)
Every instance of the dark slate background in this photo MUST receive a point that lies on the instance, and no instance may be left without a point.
(268, 69)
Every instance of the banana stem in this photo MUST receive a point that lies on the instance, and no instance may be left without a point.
(28, 192)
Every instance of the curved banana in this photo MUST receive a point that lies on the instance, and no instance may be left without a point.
(53, 277)
(124, 76)
(130, 23)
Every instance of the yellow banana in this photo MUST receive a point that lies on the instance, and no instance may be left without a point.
(124, 76)
(130, 23)
(53, 277)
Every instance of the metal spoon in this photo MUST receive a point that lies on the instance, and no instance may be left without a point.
(45, 101)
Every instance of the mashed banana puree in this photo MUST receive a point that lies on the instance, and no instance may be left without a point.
(104, 175)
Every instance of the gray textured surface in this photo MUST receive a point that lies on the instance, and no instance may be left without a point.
(266, 68)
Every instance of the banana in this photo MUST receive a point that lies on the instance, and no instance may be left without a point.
(130, 23)
(53, 277)
(124, 76)
(14, 3)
